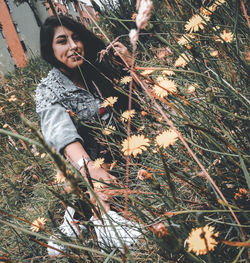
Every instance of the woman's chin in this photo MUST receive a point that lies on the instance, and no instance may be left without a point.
(75, 64)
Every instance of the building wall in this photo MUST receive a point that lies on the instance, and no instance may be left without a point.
(9, 41)
(27, 27)
(6, 61)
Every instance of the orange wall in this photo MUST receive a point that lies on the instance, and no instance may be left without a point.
(11, 36)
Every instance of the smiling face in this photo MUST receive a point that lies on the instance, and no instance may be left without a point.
(67, 47)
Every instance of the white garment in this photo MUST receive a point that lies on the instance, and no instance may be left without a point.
(116, 231)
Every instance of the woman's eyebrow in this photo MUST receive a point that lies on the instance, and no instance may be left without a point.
(61, 36)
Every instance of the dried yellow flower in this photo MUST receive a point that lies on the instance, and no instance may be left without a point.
(98, 162)
(219, 2)
(208, 11)
(182, 60)
(167, 85)
(166, 138)
(196, 22)
(201, 240)
(109, 130)
(214, 53)
(168, 72)
(147, 72)
(12, 98)
(191, 88)
(38, 223)
(110, 101)
(185, 39)
(59, 177)
(226, 36)
(125, 115)
(135, 145)
(126, 79)
(43, 155)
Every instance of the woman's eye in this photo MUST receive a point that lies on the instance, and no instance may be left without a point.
(62, 41)
(76, 38)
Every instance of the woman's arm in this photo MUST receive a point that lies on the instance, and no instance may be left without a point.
(59, 131)
(74, 152)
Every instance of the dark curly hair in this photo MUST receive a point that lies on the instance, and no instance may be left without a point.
(102, 73)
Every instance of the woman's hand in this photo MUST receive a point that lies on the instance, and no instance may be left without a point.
(101, 180)
(122, 51)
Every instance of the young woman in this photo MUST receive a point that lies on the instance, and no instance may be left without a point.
(77, 85)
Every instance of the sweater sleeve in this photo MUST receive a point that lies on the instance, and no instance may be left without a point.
(57, 127)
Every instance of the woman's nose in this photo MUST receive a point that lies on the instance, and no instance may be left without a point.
(72, 44)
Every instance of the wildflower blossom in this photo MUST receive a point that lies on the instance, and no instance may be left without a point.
(125, 115)
(110, 101)
(182, 61)
(216, 28)
(12, 98)
(109, 130)
(144, 11)
(43, 155)
(168, 72)
(191, 88)
(143, 113)
(185, 39)
(167, 85)
(219, 2)
(195, 23)
(133, 17)
(242, 192)
(201, 240)
(208, 11)
(98, 162)
(160, 230)
(166, 138)
(226, 36)
(5, 125)
(147, 72)
(135, 145)
(214, 53)
(163, 52)
(38, 223)
(59, 177)
(126, 79)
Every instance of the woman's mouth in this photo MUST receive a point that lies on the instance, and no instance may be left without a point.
(76, 56)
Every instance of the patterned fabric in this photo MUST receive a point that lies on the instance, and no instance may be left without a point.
(56, 97)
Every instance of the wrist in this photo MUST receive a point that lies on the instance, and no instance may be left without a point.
(82, 162)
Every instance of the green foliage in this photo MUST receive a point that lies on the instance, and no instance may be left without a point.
(205, 98)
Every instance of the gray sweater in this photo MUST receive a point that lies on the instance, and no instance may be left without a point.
(56, 95)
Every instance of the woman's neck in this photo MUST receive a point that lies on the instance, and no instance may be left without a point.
(75, 76)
